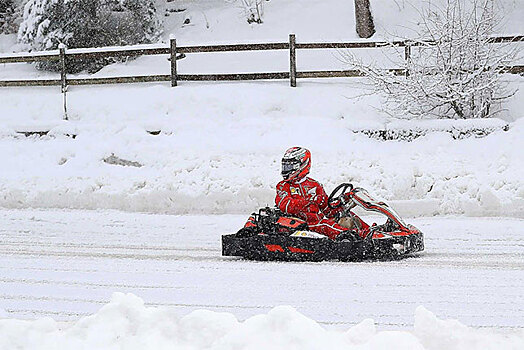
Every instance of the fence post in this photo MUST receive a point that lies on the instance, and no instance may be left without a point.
(174, 76)
(292, 61)
(407, 56)
(63, 78)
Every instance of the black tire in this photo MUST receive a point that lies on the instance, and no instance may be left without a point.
(247, 232)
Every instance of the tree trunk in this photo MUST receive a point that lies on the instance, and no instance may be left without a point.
(364, 19)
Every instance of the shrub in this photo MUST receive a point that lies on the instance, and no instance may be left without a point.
(454, 71)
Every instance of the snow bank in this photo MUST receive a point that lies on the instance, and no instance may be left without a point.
(125, 323)
(219, 149)
(219, 145)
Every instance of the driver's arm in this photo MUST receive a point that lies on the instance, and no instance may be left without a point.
(288, 203)
(322, 201)
(321, 198)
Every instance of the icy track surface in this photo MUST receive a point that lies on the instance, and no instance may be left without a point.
(67, 264)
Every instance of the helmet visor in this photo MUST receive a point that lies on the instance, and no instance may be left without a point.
(289, 166)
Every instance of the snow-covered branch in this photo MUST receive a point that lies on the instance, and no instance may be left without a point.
(253, 10)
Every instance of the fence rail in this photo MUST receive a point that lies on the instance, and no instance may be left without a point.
(173, 50)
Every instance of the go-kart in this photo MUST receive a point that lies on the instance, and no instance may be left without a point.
(271, 234)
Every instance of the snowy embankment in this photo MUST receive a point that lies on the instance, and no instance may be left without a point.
(127, 323)
(220, 145)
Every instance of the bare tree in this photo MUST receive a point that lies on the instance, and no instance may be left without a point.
(453, 70)
(364, 19)
(253, 10)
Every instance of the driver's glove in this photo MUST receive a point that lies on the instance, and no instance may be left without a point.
(347, 196)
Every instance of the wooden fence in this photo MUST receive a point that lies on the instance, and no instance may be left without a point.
(173, 50)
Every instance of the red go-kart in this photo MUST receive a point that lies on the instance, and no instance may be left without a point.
(273, 235)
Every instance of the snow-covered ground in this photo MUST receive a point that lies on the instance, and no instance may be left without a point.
(67, 264)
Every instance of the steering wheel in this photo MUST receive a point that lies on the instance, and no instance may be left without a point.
(333, 197)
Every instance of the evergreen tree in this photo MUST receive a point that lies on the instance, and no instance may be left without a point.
(87, 23)
(5, 5)
(6, 13)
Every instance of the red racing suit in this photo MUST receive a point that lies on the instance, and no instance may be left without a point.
(307, 200)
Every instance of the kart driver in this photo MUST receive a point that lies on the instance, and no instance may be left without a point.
(305, 198)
